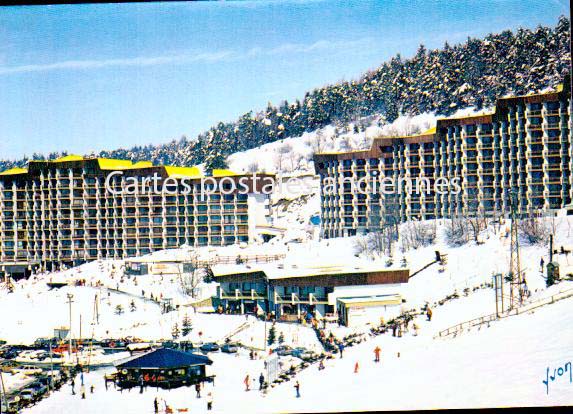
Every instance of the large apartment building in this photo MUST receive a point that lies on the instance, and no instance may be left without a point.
(523, 147)
(62, 212)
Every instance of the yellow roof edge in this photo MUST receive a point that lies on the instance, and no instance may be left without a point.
(177, 172)
(224, 173)
(113, 163)
(488, 113)
(14, 171)
(67, 158)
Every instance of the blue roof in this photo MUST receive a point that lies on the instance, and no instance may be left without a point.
(166, 358)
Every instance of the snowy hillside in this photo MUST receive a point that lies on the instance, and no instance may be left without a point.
(502, 364)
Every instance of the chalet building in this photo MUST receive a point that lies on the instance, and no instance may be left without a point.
(163, 368)
(61, 212)
(524, 145)
(289, 291)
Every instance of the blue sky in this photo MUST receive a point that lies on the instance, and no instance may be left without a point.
(91, 77)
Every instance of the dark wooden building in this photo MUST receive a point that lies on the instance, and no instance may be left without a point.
(165, 368)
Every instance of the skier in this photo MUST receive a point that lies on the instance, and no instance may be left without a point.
(356, 368)
(377, 354)
(198, 390)
(83, 392)
(429, 313)
(73, 384)
(92, 389)
(341, 348)
(297, 388)
(261, 381)
(209, 402)
(321, 365)
(155, 406)
(247, 383)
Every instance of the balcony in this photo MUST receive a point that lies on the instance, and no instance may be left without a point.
(238, 294)
(294, 298)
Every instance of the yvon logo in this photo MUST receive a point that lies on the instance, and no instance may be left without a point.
(557, 373)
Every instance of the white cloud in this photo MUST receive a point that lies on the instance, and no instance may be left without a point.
(287, 48)
(137, 61)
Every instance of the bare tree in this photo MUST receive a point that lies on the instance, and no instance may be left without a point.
(282, 155)
(364, 142)
(318, 142)
(189, 277)
(253, 167)
(417, 234)
(534, 229)
(457, 232)
(345, 143)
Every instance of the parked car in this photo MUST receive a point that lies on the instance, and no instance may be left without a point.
(209, 347)
(303, 353)
(9, 353)
(27, 395)
(38, 387)
(283, 350)
(186, 346)
(229, 348)
(27, 370)
(44, 343)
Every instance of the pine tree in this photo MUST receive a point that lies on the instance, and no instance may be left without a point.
(186, 325)
(175, 331)
(118, 310)
(272, 336)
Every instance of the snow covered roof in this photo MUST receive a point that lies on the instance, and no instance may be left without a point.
(277, 272)
(367, 301)
(274, 271)
(165, 358)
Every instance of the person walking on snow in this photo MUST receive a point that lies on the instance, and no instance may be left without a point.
(297, 388)
(356, 368)
(209, 402)
(198, 390)
(377, 354)
(155, 406)
(341, 348)
(247, 382)
(261, 381)
(429, 313)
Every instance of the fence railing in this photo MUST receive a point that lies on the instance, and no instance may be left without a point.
(526, 307)
(241, 259)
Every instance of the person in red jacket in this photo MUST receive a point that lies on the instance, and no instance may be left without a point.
(377, 354)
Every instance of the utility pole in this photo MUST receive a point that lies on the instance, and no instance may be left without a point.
(514, 276)
(498, 288)
(70, 301)
(50, 386)
(3, 389)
